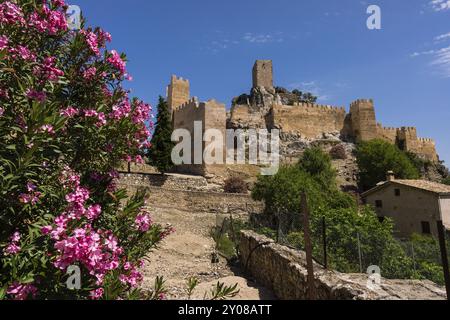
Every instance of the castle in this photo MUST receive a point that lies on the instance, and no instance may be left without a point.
(269, 108)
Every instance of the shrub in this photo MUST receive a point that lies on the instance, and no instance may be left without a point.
(65, 124)
(338, 152)
(318, 165)
(235, 185)
(160, 154)
(375, 158)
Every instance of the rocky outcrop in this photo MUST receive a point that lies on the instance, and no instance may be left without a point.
(283, 270)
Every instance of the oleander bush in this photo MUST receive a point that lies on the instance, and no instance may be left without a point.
(65, 123)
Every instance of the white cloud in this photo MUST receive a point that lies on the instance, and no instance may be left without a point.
(440, 5)
(442, 60)
(262, 38)
(442, 37)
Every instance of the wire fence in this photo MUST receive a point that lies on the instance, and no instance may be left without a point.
(358, 252)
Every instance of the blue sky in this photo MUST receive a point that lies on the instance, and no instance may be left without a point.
(319, 46)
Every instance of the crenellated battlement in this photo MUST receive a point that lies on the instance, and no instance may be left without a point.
(361, 101)
(392, 129)
(406, 129)
(321, 108)
(191, 103)
(263, 109)
(179, 79)
(427, 140)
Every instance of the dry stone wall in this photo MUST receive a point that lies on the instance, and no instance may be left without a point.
(283, 270)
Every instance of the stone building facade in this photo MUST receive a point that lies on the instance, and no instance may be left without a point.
(415, 206)
(268, 107)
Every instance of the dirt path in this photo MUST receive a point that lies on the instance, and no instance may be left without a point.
(187, 253)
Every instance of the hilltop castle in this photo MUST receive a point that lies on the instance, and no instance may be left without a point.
(270, 107)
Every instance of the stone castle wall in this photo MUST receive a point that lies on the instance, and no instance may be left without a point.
(178, 92)
(308, 119)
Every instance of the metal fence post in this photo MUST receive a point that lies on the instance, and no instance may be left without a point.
(359, 253)
(308, 246)
(324, 238)
(442, 244)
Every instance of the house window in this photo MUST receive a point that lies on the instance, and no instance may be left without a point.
(397, 192)
(379, 204)
(426, 229)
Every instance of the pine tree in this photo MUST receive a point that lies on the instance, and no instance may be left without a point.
(160, 152)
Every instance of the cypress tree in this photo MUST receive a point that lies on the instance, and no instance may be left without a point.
(160, 151)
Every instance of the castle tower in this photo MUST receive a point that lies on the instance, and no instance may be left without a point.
(263, 74)
(407, 138)
(363, 120)
(178, 93)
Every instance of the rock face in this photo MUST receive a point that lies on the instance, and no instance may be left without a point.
(283, 270)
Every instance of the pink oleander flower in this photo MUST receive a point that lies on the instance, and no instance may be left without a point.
(128, 77)
(90, 73)
(69, 112)
(21, 291)
(116, 61)
(120, 111)
(31, 198)
(4, 42)
(139, 159)
(91, 40)
(51, 21)
(36, 95)
(2, 111)
(97, 294)
(46, 230)
(48, 71)
(22, 52)
(59, 3)
(31, 187)
(93, 212)
(10, 13)
(13, 247)
(90, 113)
(101, 119)
(104, 36)
(4, 93)
(143, 222)
(47, 128)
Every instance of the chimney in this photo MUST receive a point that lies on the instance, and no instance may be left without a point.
(390, 176)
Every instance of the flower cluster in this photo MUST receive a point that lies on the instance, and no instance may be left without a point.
(10, 13)
(13, 247)
(92, 41)
(48, 71)
(51, 21)
(36, 95)
(22, 52)
(116, 61)
(21, 291)
(143, 222)
(90, 73)
(32, 196)
(69, 112)
(4, 42)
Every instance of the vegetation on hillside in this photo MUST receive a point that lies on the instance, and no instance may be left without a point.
(350, 229)
(376, 157)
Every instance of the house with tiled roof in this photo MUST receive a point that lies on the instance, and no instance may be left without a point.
(415, 206)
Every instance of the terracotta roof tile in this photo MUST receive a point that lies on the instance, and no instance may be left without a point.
(425, 185)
